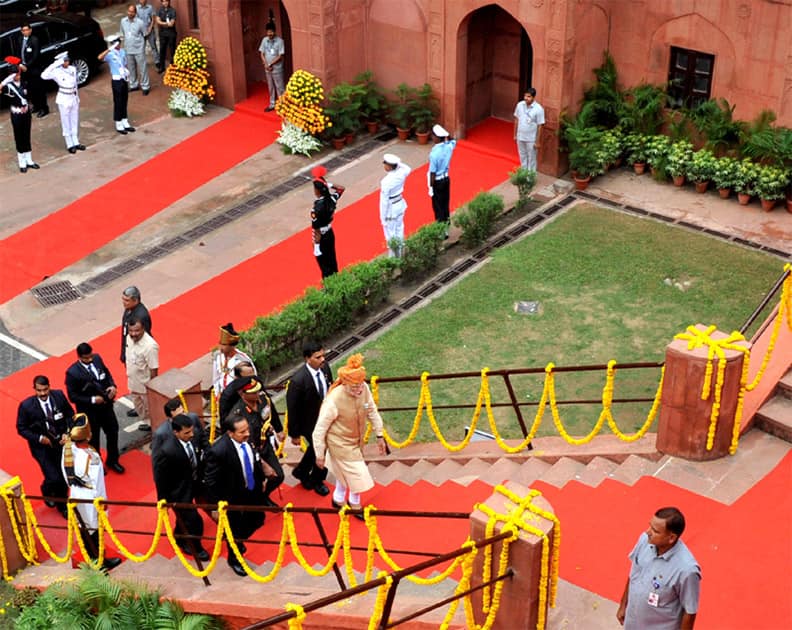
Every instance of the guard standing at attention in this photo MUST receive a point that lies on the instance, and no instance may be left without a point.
(15, 90)
(68, 101)
(392, 203)
(116, 58)
(438, 174)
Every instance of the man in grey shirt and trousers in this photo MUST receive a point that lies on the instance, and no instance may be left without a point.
(135, 45)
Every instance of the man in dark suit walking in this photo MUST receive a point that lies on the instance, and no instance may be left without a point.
(177, 469)
(29, 49)
(307, 390)
(92, 390)
(233, 473)
(44, 420)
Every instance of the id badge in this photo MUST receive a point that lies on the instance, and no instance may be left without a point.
(654, 599)
(101, 376)
(58, 415)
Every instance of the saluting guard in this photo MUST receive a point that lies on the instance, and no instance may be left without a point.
(439, 178)
(326, 198)
(116, 58)
(392, 203)
(65, 75)
(20, 114)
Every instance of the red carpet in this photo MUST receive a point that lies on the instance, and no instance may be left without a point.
(82, 227)
(495, 134)
(256, 102)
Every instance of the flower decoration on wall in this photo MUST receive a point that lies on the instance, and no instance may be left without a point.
(190, 78)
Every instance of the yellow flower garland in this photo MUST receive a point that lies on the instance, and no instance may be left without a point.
(379, 603)
(295, 623)
(212, 415)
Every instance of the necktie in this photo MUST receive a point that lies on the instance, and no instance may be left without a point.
(191, 455)
(320, 385)
(92, 371)
(24, 46)
(248, 466)
(48, 410)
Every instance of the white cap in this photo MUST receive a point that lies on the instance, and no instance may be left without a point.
(439, 131)
(62, 56)
(112, 39)
(391, 159)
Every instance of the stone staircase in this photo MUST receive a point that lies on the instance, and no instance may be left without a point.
(775, 415)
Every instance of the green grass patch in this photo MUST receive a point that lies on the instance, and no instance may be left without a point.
(601, 279)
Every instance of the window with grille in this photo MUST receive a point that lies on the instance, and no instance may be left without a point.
(689, 77)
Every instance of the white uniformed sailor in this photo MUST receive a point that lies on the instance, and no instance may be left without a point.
(392, 203)
(68, 100)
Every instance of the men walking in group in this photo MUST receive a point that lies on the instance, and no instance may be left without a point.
(135, 45)
(133, 309)
(30, 65)
(233, 473)
(166, 23)
(528, 120)
(662, 590)
(307, 389)
(44, 420)
(142, 365)
(439, 176)
(272, 50)
(392, 204)
(116, 58)
(91, 388)
(68, 101)
(146, 14)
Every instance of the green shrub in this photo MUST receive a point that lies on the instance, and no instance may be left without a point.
(478, 219)
(422, 250)
(524, 180)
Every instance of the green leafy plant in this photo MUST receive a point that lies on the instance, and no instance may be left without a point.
(605, 97)
(678, 158)
(745, 175)
(611, 146)
(401, 111)
(421, 251)
(643, 109)
(636, 146)
(585, 159)
(424, 109)
(714, 120)
(478, 218)
(724, 173)
(702, 166)
(373, 102)
(343, 109)
(657, 148)
(770, 182)
(525, 180)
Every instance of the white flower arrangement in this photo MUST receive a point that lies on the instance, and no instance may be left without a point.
(182, 102)
(298, 140)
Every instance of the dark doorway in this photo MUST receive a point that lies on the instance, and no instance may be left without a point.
(255, 15)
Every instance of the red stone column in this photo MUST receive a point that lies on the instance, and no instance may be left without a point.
(165, 386)
(14, 557)
(519, 605)
(684, 416)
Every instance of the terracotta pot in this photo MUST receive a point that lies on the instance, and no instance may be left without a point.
(581, 183)
(338, 143)
(350, 138)
(679, 180)
(652, 170)
(372, 126)
(768, 204)
(701, 187)
(402, 133)
(724, 192)
(743, 198)
(423, 138)
(789, 205)
(639, 168)
(617, 163)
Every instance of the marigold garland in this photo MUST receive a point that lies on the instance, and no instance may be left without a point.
(295, 623)
(213, 413)
(379, 603)
(300, 103)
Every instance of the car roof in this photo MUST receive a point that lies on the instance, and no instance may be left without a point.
(13, 21)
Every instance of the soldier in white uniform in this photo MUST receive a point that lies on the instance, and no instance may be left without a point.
(65, 75)
(392, 203)
(227, 358)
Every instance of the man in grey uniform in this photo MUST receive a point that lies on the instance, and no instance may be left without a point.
(272, 50)
(135, 45)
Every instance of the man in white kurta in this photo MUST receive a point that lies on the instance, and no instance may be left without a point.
(142, 365)
(68, 101)
(392, 203)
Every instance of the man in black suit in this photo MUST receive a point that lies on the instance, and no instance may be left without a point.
(44, 420)
(307, 390)
(177, 473)
(29, 50)
(92, 390)
(233, 473)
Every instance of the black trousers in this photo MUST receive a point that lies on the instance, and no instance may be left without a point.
(306, 470)
(49, 460)
(103, 418)
(21, 126)
(192, 524)
(327, 261)
(167, 41)
(120, 99)
(244, 524)
(441, 199)
(37, 92)
(269, 456)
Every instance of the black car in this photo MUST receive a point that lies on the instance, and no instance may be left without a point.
(81, 36)
(31, 7)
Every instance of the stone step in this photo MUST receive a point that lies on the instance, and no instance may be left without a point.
(775, 417)
(785, 384)
(530, 471)
(448, 470)
(472, 471)
(396, 471)
(417, 472)
(564, 470)
(635, 467)
(501, 471)
(597, 470)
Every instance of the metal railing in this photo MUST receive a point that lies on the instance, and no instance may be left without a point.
(764, 302)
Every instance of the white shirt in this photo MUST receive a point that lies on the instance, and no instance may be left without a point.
(392, 202)
(528, 120)
(223, 369)
(321, 376)
(240, 446)
(142, 356)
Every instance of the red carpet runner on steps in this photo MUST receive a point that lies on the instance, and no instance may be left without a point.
(71, 233)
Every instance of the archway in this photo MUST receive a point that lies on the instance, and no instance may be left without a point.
(497, 66)
(255, 16)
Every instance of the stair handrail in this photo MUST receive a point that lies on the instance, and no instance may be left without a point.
(777, 286)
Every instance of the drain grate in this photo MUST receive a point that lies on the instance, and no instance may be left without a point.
(61, 292)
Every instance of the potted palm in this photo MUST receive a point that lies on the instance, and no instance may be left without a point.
(770, 184)
(423, 111)
(344, 110)
(723, 175)
(702, 168)
(401, 110)
(373, 103)
(585, 159)
(678, 161)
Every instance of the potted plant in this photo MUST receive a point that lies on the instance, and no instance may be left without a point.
(635, 144)
(702, 169)
(657, 149)
(344, 109)
(611, 147)
(585, 158)
(373, 102)
(723, 175)
(745, 175)
(678, 161)
(423, 112)
(401, 110)
(770, 184)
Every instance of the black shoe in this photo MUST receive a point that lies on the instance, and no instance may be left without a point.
(23, 169)
(132, 413)
(110, 563)
(236, 567)
(337, 506)
(41, 113)
(123, 133)
(146, 92)
(116, 467)
(129, 129)
(269, 109)
(242, 548)
(134, 89)
(63, 511)
(322, 490)
(307, 485)
(80, 147)
(34, 166)
(202, 554)
(144, 427)
(72, 150)
(160, 69)
(269, 503)
(49, 503)
(358, 515)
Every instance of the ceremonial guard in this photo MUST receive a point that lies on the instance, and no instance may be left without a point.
(226, 358)
(116, 58)
(392, 203)
(16, 93)
(65, 75)
(324, 207)
(438, 175)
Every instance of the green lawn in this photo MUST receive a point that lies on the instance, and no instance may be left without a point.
(600, 278)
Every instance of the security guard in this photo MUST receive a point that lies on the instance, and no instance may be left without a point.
(116, 58)
(439, 178)
(392, 203)
(65, 75)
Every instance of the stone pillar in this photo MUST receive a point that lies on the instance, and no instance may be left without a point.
(165, 386)
(14, 557)
(684, 416)
(519, 604)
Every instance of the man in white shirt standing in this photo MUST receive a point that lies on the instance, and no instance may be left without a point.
(272, 50)
(528, 120)
(142, 364)
(392, 203)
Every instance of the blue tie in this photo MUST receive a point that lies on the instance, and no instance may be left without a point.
(248, 466)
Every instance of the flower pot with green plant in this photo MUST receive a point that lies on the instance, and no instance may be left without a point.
(344, 103)
(423, 112)
(678, 161)
(702, 168)
(723, 175)
(585, 159)
(745, 175)
(770, 184)
(635, 146)
(611, 147)
(657, 148)
(373, 102)
(401, 109)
